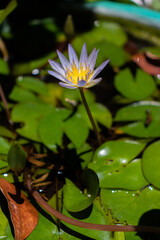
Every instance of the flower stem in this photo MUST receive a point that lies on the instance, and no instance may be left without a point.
(90, 115)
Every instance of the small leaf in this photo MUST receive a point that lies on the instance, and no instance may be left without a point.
(51, 128)
(74, 199)
(151, 163)
(22, 95)
(76, 130)
(23, 215)
(16, 157)
(33, 84)
(137, 89)
(30, 113)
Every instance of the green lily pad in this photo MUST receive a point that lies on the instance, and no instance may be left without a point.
(138, 111)
(74, 199)
(22, 95)
(3, 225)
(91, 215)
(76, 129)
(51, 128)
(33, 84)
(99, 112)
(147, 117)
(137, 89)
(30, 113)
(113, 165)
(151, 164)
(129, 206)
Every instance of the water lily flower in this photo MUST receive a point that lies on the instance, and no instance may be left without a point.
(77, 74)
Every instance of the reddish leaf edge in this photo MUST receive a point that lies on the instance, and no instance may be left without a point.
(93, 226)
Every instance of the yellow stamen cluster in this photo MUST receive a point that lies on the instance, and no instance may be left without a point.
(75, 74)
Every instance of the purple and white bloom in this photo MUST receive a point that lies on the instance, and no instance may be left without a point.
(74, 73)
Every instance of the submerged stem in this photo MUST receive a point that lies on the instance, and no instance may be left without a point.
(90, 115)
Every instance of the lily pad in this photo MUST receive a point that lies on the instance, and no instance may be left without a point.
(76, 129)
(74, 199)
(32, 84)
(151, 163)
(113, 165)
(4, 146)
(30, 113)
(137, 89)
(51, 128)
(99, 112)
(147, 117)
(136, 204)
(91, 215)
(22, 95)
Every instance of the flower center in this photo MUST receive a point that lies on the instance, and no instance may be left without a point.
(83, 73)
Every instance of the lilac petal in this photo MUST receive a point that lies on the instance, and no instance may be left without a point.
(57, 67)
(63, 60)
(81, 83)
(66, 85)
(93, 60)
(83, 57)
(98, 70)
(59, 76)
(91, 56)
(93, 83)
(72, 55)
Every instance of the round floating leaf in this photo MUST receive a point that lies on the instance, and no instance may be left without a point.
(30, 113)
(129, 206)
(99, 112)
(16, 157)
(76, 130)
(151, 164)
(32, 84)
(147, 115)
(22, 95)
(113, 165)
(139, 111)
(137, 89)
(74, 199)
(138, 129)
(91, 215)
(51, 128)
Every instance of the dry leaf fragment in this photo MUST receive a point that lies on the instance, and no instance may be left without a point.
(23, 215)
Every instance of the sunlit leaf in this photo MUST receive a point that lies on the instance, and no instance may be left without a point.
(6, 132)
(113, 165)
(4, 146)
(150, 163)
(9, 8)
